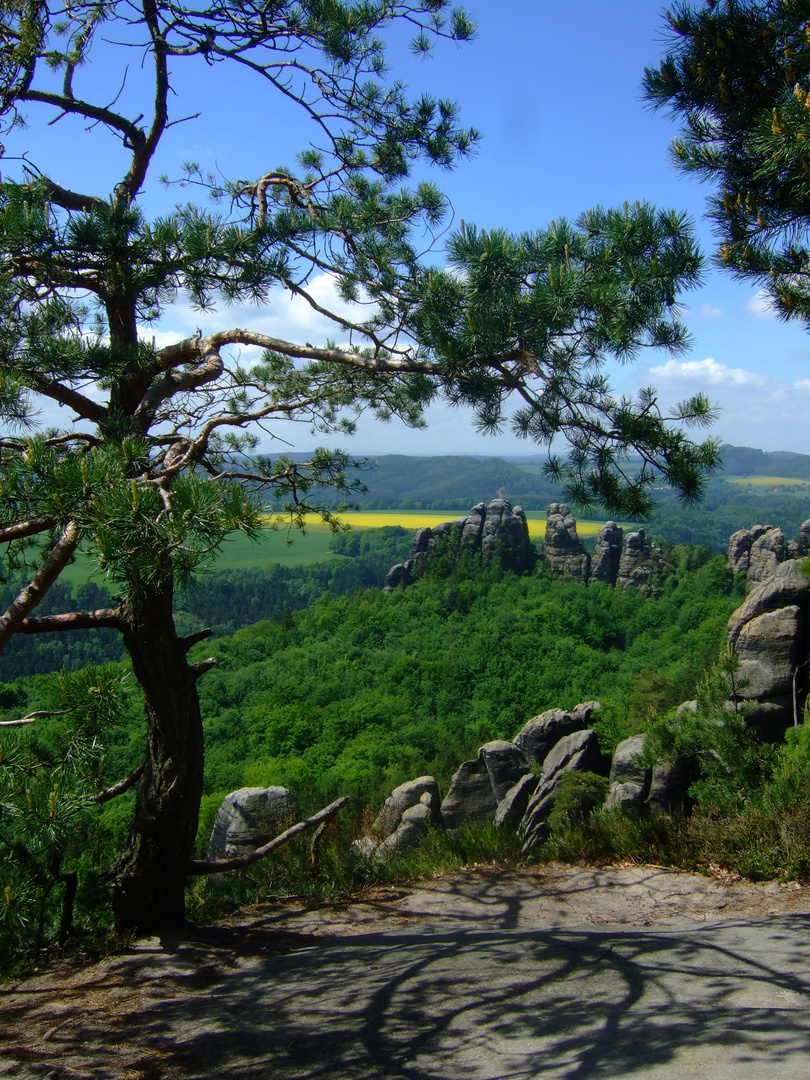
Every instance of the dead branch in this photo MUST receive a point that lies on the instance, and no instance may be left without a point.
(218, 866)
(189, 642)
(200, 669)
(32, 717)
(120, 787)
(72, 620)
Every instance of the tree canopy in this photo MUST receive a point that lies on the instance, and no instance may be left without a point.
(737, 77)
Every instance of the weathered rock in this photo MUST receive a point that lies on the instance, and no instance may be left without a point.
(767, 552)
(248, 818)
(642, 566)
(415, 822)
(562, 549)
(624, 796)
(585, 710)
(769, 634)
(543, 732)
(401, 799)
(668, 785)
(579, 751)
(399, 576)
(513, 805)
(756, 552)
(505, 763)
(496, 531)
(470, 797)
(607, 553)
(625, 768)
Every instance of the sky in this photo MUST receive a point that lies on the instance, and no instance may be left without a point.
(555, 90)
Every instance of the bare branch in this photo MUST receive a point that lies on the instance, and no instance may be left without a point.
(120, 787)
(185, 351)
(198, 670)
(32, 717)
(217, 866)
(34, 591)
(72, 620)
(189, 642)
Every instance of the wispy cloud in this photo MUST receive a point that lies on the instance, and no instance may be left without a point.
(708, 311)
(760, 306)
(706, 373)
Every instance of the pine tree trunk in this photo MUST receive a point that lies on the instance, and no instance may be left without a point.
(150, 876)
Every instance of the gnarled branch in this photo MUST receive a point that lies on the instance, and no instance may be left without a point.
(218, 866)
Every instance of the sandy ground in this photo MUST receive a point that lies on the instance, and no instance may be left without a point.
(184, 1006)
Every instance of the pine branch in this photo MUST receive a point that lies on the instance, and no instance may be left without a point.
(34, 591)
(26, 528)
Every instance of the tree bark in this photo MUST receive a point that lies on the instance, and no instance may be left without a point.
(150, 875)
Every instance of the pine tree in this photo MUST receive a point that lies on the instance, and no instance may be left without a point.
(737, 77)
(155, 462)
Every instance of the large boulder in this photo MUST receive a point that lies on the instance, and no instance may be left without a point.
(249, 818)
(562, 549)
(515, 802)
(403, 798)
(625, 767)
(470, 797)
(505, 764)
(607, 554)
(769, 634)
(579, 751)
(757, 552)
(540, 734)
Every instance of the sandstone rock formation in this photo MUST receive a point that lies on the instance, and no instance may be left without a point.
(769, 634)
(494, 530)
(248, 818)
(540, 734)
(641, 565)
(562, 549)
(758, 551)
(579, 751)
(607, 553)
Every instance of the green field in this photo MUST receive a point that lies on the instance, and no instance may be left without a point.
(293, 547)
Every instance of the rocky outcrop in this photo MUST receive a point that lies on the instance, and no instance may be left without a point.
(756, 552)
(579, 751)
(642, 565)
(607, 554)
(470, 797)
(495, 531)
(406, 815)
(562, 549)
(769, 634)
(542, 733)
(249, 818)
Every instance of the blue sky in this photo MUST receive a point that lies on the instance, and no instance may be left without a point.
(554, 89)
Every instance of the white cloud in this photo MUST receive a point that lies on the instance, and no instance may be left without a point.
(706, 311)
(760, 306)
(706, 373)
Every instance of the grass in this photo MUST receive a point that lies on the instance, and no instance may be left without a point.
(295, 548)
(767, 481)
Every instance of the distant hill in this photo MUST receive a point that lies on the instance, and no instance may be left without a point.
(746, 461)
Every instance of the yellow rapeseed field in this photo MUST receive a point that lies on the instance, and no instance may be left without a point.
(418, 519)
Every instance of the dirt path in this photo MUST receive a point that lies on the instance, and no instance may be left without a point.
(480, 974)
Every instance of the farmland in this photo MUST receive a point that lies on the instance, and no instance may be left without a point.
(286, 547)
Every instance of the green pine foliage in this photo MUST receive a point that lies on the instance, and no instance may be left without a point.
(737, 77)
